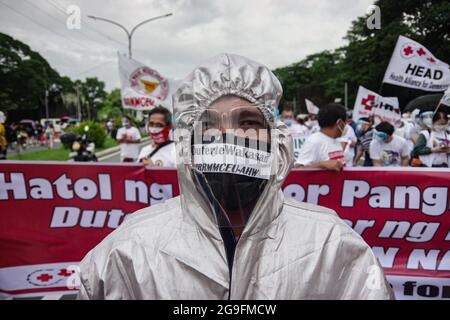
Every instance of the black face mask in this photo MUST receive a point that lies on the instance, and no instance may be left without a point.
(232, 191)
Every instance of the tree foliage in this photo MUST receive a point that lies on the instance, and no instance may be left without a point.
(363, 61)
(25, 76)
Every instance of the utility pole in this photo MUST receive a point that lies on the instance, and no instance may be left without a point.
(46, 103)
(77, 87)
(46, 93)
(294, 102)
(130, 33)
(130, 37)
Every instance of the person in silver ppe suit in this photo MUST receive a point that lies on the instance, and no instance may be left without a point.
(231, 234)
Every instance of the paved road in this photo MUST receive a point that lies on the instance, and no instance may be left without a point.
(57, 144)
(115, 157)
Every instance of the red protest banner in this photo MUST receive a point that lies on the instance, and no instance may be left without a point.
(52, 214)
(403, 214)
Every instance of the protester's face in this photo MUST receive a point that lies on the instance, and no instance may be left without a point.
(236, 116)
(125, 122)
(440, 125)
(427, 120)
(441, 122)
(365, 126)
(287, 117)
(341, 127)
(288, 114)
(157, 120)
(233, 121)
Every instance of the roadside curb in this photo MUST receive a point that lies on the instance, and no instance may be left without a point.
(115, 149)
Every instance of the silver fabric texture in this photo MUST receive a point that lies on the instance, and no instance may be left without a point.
(287, 250)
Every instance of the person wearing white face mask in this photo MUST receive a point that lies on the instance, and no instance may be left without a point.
(323, 149)
(433, 144)
(129, 138)
(161, 152)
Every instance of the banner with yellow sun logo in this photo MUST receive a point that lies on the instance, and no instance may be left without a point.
(143, 88)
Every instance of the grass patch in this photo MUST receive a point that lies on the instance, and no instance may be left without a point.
(109, 143)
(56, 154)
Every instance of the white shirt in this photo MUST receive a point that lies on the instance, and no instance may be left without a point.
(319, 147)
(164, 157)
(412, 131)
(299, 135)
(129, 150)
(405, 132)
(313, 126)
(440, 139)
(390, 153)
(349, 152)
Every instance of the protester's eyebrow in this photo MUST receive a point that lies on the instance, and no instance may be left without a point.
(251, 113)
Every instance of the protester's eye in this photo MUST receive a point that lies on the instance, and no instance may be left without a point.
(250, 123)
(156, 124)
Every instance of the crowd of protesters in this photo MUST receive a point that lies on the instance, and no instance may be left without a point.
(332, 140)
(27, 134)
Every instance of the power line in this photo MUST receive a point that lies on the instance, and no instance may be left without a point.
(85, 23)
(61, 35)
(51, 16)
(55, 5)
(93, 68)
(40, 24)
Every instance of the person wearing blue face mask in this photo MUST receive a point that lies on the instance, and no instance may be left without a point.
(298, 131)
(387, 149)
(287, 116)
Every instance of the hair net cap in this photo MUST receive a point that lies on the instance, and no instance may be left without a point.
(228, 74)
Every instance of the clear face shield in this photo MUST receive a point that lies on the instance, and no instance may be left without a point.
(232, 160)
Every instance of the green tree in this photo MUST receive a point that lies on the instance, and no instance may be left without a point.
(111, 106)
(363, 61)
(24, 76)
(91, 94)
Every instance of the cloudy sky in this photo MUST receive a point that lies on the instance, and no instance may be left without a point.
(274, 32)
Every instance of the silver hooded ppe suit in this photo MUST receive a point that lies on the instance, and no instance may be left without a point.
(287, 250)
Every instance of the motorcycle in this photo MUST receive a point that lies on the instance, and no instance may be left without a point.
(83, 150)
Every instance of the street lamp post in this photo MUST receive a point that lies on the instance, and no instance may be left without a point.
(130, 33)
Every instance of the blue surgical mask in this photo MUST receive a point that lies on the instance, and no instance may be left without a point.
(288, 122)
(380, 136)
(428, 122)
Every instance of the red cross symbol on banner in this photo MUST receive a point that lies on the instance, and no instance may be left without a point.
(421, 52)
(368, 102)
(45, 277)
(431, 60)
(408, 51)
(65, 272)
